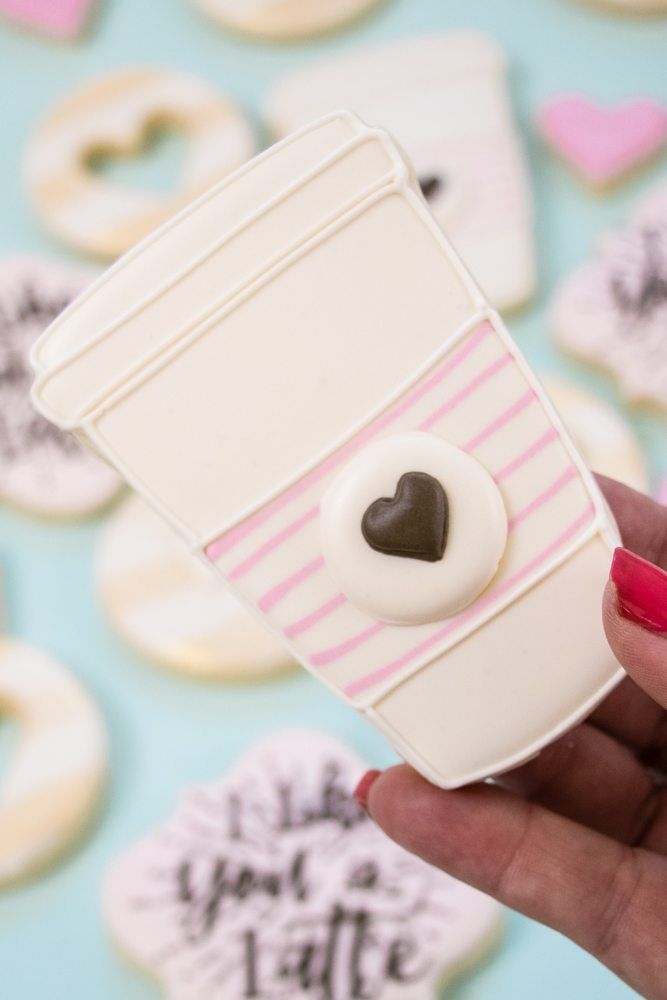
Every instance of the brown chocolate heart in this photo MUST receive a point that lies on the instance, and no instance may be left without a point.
(413, 523)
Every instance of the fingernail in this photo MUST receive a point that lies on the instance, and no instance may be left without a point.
(364, 787)
(642, 590)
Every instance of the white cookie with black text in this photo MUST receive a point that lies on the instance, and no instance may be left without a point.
(271, 882)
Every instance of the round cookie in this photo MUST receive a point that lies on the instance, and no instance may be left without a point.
(604, 438)
(612, 311)
(285, 20)
(170, 608)
(42, 470)
(52, 782)
(271, 882)
(115, 113)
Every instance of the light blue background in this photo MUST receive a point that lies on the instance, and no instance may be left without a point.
(166, 732)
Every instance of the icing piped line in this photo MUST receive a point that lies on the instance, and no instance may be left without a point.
(383, 673)
(248, 220)
(227, 540)
(326, 657)
(135, 374)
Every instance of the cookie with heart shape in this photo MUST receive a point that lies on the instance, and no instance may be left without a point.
(604, 144)
(612, 311)
(64, 20)
(116, 113)
(271, 882)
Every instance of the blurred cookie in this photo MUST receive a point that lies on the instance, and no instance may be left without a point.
(42, 470)
(445, 98)
(604, 144)
(271, 882)
(169, 607)
(52, 781)
(285, 20)
(115, 114)
(605, 439)
(63, 20)
(612, 311)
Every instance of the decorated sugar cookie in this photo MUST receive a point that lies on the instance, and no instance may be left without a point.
(51, 784)
(631, 6)
(42, 470)
(64, 20)
(272, 883)
(114, 114)
(446, 100)
(604, 144)
(605, 439)
(284, 20)
(169, 606)
(612, 311)
(302, 377)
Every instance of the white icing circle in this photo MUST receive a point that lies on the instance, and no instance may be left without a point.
(407, 591)
(52, 782)
(115, 113)
(170, 608)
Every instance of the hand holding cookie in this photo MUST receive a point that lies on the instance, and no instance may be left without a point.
(577, 837)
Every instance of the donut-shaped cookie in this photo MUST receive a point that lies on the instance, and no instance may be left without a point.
(115, 114)
(169, 607)
(52, 782)
(605, 439)
(282, 20)
(42, 470)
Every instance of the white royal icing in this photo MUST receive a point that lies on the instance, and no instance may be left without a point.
(272, 883)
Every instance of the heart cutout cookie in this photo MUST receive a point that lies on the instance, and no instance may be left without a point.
(152, 160)
(604, 144)
(413, 523)
(431, 185)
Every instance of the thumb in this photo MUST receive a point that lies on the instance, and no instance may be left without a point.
(635, 621)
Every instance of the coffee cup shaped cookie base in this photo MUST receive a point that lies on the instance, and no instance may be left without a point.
(234, 364)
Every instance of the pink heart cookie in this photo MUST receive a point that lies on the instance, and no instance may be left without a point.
(604, 144)
(61, 19)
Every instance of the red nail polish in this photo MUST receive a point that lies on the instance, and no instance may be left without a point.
(642, 590)
(364, 787)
